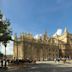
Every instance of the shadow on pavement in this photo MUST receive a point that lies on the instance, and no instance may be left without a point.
(37, 68)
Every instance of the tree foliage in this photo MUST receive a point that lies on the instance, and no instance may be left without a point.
(1, 54)
(5, 31)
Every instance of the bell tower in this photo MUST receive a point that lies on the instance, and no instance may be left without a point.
(65, 30)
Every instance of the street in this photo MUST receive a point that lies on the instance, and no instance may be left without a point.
(41, 68)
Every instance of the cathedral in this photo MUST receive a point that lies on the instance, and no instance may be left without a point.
(43, 48)
(26, 46)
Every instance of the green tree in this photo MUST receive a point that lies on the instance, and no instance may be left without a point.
(5, 31)
(1, 54)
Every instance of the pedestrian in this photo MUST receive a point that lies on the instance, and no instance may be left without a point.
(1, 62)
(55, 60)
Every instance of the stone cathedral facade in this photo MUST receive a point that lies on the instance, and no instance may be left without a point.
(43, 48)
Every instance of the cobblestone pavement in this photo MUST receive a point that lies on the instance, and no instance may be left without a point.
(41, 67)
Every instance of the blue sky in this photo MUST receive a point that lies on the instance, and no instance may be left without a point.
(37, 16)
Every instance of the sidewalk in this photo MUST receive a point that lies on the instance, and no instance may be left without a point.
(66, 64)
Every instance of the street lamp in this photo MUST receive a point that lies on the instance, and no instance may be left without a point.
(5, 44)
(6, 38)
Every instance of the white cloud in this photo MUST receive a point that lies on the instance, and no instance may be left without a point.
(4, 18)
(9, 48)
(58, 32)
(37, 36)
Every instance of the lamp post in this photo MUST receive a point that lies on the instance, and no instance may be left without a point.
(6, 38)
(5, 44)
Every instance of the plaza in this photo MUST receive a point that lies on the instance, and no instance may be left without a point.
(36, 36)
(49, 66)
